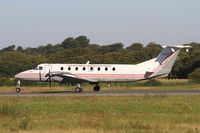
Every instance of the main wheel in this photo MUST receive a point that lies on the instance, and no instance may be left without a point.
(78, 89)
(96, 88)
(18, 90)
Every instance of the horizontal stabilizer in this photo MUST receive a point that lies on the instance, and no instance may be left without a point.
(178, 46)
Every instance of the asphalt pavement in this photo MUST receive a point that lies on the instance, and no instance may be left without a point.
(102, 93)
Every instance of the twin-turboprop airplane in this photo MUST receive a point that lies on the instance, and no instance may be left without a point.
(76, 74)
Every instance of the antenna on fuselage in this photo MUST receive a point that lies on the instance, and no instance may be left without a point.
(88, 62)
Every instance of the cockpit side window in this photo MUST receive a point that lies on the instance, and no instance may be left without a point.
(40, 68)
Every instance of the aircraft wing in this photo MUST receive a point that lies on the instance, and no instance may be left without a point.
(69, 77)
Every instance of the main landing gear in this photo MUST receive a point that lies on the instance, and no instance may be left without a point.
(78, 88)
(18, 89)
(96, 88)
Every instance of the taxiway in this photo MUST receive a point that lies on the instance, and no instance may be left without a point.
(102, 93)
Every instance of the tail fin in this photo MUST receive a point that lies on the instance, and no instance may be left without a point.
(161, 65)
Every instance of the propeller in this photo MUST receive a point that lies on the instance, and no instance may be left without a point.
(50, 82)
(49, 78)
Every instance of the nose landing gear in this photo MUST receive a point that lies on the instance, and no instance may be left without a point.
(18, 89)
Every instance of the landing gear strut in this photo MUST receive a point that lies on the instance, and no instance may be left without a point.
(96, 88)
(78, 88)
(18, 89)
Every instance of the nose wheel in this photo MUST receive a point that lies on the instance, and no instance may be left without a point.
(18, 89)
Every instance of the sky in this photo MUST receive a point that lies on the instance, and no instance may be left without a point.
(31, 23)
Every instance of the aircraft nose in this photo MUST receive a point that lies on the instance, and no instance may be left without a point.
(19, 76)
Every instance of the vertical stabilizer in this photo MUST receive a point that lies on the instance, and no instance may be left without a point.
(162, 64)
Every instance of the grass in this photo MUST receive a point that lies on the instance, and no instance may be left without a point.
(140, 114)
(153, 114)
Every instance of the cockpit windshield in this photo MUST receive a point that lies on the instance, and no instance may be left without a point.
(39, 68)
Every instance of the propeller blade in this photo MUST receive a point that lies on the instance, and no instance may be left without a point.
(49, 79)
(50, 82)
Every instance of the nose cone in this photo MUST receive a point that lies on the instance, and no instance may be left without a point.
(23, 75)
(29, 75)
(19, 76)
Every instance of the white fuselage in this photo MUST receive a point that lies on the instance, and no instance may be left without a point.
(92, 72)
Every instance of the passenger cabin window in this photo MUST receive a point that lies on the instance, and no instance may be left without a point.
(91, 68)
(98, 68)
(40, 68)
(113, 68)
(84, 68)
(69, 68)
(106, 69)
(76, 68)
(61, 68)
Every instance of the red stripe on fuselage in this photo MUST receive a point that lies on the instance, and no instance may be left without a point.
(110, 75)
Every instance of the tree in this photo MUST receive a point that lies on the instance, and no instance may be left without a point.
(111, 48)
(19, 48)
(79, 42)
(79, 50)
(135, 47)
(187, 63)
(152, 50)
(9, 48)
(49, 49)
(68, 43)
(195, 75)
(12, 62)
(154, 45)
(82, 41)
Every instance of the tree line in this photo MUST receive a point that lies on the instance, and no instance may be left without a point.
(79, 50)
